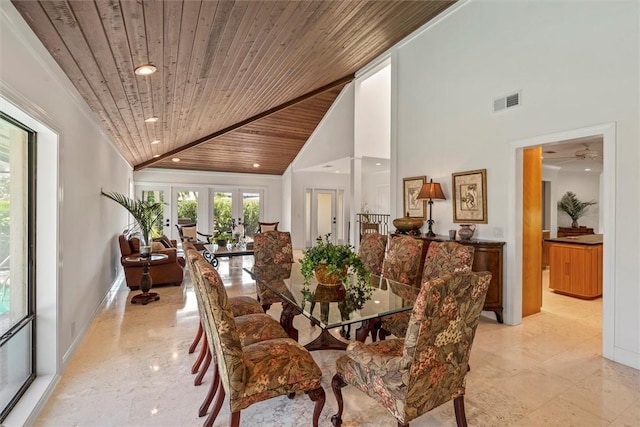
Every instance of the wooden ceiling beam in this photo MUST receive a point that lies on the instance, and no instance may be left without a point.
(267, 113)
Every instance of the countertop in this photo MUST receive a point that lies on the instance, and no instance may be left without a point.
(587, 239)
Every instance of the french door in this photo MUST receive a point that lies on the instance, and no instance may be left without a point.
(231, 207)
(324, 210)
(160, 194)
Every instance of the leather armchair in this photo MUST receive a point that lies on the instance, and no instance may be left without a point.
(163, 272)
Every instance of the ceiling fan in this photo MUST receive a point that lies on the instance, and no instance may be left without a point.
(583, 154)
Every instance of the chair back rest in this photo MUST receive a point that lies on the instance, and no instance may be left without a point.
(189, 232)
(192, 255)
(272, 247)
(222, 331)
(371, 251)
(446, 257)
(402, 260)
(439, 337)
(267, 226)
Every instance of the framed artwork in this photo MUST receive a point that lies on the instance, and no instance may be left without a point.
(412, 206)
(470, 197)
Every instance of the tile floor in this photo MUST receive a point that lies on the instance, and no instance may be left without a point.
(132, 369)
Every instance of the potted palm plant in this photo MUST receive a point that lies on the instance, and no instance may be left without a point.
(332, 263)
(144, 212)
(572, 206)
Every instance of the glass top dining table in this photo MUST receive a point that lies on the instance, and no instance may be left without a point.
(332, 306)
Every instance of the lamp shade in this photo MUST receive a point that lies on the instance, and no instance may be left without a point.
(431, 191)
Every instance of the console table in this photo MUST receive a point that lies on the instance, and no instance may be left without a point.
(488, 256)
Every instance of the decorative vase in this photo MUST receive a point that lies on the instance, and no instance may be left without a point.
(145, 251)
(575, 224)
(466, 231)
(221, 243)
(326, 278)
(408, 225)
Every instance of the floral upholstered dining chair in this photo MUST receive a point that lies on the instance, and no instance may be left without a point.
(442, 258)
(371, 251)
(271, 247)
(402, 260)
(259, 371)
(410, 376)
(252, 323)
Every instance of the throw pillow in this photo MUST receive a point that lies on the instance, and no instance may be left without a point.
(157, 247)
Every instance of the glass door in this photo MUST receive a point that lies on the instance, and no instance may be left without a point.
(17, 263)
(159, 194)
(325, 214)
(251, 212)
(223, 211)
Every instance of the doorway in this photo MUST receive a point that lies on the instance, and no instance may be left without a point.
(515, 291)
(324, 209)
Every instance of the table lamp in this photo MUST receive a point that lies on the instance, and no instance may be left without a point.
(431, 191)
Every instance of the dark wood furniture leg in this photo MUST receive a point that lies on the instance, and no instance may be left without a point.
(458, 406)
(336, 385)
(317, 395)
(326, 341)
(365, 329)
(212, 392)
(203, 352)
(196, 339)
(286, 319)
(145, 284)
(216, 409)
(203, 370)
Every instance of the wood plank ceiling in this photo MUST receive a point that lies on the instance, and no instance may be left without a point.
(237, 82)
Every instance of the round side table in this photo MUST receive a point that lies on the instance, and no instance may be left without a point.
(145, 281)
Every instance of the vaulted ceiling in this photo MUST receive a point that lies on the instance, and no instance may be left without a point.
(238, 83)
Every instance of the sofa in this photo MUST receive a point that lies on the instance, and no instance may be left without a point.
(163, 272)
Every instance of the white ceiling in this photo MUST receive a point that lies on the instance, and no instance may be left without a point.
(562, 155)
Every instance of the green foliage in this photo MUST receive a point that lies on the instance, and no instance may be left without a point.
(336, 257)
(572, 206)
(222, 212)
(145, 213)
(251, 213)
(188, 209)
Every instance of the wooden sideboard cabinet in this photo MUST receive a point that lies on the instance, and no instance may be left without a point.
(488, 256)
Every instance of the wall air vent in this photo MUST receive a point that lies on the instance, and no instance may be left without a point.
(505, 102)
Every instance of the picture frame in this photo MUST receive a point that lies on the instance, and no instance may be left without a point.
(410, 189)
(470, 196)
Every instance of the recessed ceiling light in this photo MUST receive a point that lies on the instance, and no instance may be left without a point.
(256, 165)
(145, 70)
(156, 156)
(587, 170)
(337, 171)
(151, 119)
(175, 159)
(378, 164)
(155, 141)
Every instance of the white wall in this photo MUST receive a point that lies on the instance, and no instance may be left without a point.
(373, 114)
(333, 138)
(577, 65)
(87, 253)
(375, 192)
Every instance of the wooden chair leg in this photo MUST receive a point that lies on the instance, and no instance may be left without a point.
(458, 406)
(235, 419)
(203, 352)
(196, 339)
(216, 406)
(203, 369)
(212, 392)
(336, 385)
(317, 395)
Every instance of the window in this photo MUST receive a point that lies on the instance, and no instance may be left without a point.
(17, 261)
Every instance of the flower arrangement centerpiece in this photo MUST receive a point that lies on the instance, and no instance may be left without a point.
(332, 263)
(572, 206)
